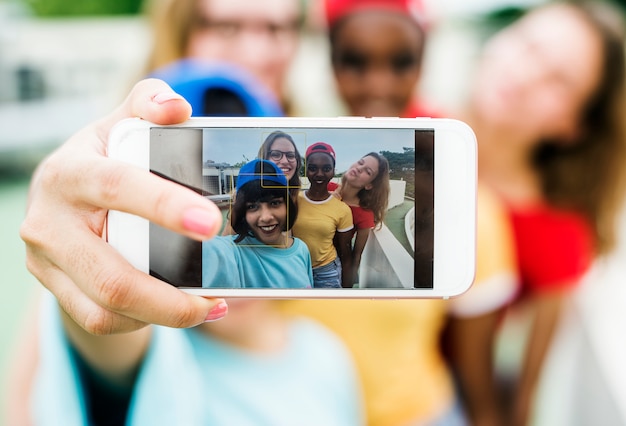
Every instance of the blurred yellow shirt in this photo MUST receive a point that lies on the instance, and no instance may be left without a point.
(396, 343)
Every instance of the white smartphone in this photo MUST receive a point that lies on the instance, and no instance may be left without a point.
(424, 247)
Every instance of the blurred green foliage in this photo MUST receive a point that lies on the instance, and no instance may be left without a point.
(402, 167)
(65, 8)
(501, 17)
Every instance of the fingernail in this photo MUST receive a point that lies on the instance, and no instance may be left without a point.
(163, 97)
(199, 220)
(217, 312)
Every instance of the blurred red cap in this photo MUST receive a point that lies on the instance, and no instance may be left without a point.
(337, 9)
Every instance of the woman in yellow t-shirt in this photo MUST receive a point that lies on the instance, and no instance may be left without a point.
(396, 344)
(324, 222)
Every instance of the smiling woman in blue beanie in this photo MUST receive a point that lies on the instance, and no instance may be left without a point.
(261, 253)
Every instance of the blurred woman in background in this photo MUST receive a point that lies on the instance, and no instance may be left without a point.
(260, 37)
(547, 107)
(377, 49)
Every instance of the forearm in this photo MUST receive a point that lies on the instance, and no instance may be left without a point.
(24, 360)
(343, 245)
(356, 262)
(346, 270)
(471, 342)
(357, 251)
(114, 357)
(547, 312)
(345, 256)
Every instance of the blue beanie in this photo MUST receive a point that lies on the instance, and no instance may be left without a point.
(267, 172)
(193, 78)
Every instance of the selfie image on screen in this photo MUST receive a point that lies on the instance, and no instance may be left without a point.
(249, 172)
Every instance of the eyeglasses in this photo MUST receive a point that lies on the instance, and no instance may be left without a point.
(277, 155)
(325, 169)
(233, 29)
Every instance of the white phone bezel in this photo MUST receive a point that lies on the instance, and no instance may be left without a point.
(454, 249)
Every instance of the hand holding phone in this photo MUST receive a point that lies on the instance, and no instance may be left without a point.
(425, 248)
(70, 194)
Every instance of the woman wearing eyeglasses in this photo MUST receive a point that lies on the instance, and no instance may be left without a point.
(324, 222)
(280, 149)
(260, 37)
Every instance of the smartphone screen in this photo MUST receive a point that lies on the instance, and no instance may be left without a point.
(398, 252)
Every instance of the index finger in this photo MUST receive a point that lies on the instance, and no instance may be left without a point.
(151, 100)
(117, 186)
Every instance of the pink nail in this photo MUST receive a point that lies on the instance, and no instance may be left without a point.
(163, 97)
(198, 220)
(217, 312)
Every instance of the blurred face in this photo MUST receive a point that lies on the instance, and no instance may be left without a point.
(259, 36)
(363, 172)
(246, 324)
(319, 169)
(283, 154)
(376, 60)
(537, 75)
(267, 220)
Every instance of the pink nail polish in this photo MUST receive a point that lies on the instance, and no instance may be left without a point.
(198, 220)
(163, 97)
(217, 312)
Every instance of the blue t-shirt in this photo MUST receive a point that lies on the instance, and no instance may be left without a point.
(312, 381)
(190, 378)
(250, 263)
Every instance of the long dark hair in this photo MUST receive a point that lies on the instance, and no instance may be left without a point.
(255, 191)
(587, 175)
(377, 197)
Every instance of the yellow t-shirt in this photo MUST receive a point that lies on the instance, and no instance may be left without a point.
(395, 348)
(396, 343)
(317, 223)
(496, 281)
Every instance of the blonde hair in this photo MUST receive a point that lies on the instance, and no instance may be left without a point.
(172, 22)
(588, 175)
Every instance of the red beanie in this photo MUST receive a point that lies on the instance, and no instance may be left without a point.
(337, 9)
(322, 147)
